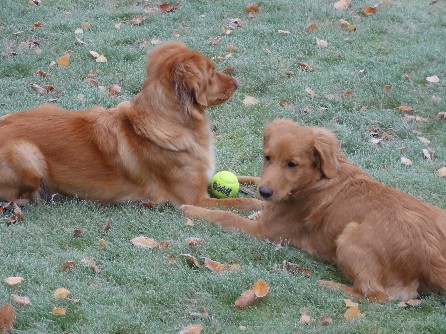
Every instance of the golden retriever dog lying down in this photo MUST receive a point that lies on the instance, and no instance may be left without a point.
(389, 244)
(157, 147)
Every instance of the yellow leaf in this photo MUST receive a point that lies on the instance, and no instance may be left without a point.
(13, 280)
(312, 27)
(68, 265)
(58, 311)
(218, 267)
(260, 288)
(63, 61)
(349, 303)
(61, 293)
(86, 25)
(190, 222)
(352, 313)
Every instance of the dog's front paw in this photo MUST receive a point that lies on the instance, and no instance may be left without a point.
(189, 210)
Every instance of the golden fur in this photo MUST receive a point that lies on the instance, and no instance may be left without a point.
(389, 244)
(156, 147)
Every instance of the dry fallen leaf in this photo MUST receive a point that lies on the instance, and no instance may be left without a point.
(191, 260)
(349, 303)
(428, 154)
(68, 265)
(406, 161)
(189, 222)
(305, 319)
(249, 100)
(102, 243)
(441, 115)
(90, 263)
(326, 320)
(312, 27)
(218, 267)
(352, 313)
(7, 319)
(247, 298)
(405, 108)
(215, 40)
(13, 280)
(144, 242)
(107, 226)
(77, 233)
(85, 25)
(433, 79)
(441, 172)
(425, 141)
(191, 329)
(347, 25)
(342, 4)
(170, 259)
(310, 92)
(58, 311)
(101, 59)
(63, 61)
(168, 7)
(252, 9)
(321, 43)
(410, 303)
(21, 300)
(260, 288)
(114, 90)
(369, 10)
(387, 88)
(38, 89)
(137, 20)
(306, 67)
(193, 242)
(61, 293)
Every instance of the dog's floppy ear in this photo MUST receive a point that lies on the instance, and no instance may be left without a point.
(326, 152)
(191, 83)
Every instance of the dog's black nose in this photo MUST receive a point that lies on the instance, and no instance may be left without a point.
(266, 192)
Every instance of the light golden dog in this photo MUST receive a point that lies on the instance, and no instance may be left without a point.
(157, 147)
(389, 244)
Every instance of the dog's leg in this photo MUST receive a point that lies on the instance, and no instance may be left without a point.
(241, 204)
(249, 180)
(226, 219)
(359, 263)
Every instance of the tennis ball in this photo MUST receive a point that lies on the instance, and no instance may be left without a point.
(224, 184)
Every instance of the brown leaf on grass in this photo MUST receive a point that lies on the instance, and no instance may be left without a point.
(114, 90)
(13, 280)
(85, 25)
(7, 319)
(61, 293)
(441, 172)
(405, 108)
(144, 242)
(326, 320)
(58, 311)
(247, 298)
(38, 89)
(260, 288)
(218, 267)
(295, 268)
(68, 265)
(91, 78)
(410, 303)
(347, 94)
(21, 300)
(387, 88)
(77, 233)
(215, 40)
(428, 154)
(42, 73)
(441, 115)
(191, 260)
(342, 4)
(102, 243)
(168, 7)
(348, 303)
(311, 27)
(137, 20)
(352, 313)
(191, 329)
(170, 259)
(107, 226)
(164, 244)
(347, 25)
(193, 242)
(90, 263)
(305, 319)
(369, 10)
(306, 67)
(252, 9)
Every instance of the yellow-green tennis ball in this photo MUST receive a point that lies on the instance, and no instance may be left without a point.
(224, 184)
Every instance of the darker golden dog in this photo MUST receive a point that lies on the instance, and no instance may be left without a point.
(389, 244)
(156, 147)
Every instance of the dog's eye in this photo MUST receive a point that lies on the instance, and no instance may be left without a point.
(267, 158)
(291, 164)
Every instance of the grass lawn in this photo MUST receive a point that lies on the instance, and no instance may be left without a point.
(356, 83)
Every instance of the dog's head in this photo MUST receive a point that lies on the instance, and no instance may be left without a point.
(190, 76)
(295, 157)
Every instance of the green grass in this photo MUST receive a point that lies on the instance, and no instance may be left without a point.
(138, 291)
